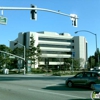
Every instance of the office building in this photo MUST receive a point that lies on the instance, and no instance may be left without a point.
(55, 46)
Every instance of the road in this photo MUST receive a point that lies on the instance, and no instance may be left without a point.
(39, 87)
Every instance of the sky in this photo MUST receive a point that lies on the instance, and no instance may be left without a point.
(88, 12)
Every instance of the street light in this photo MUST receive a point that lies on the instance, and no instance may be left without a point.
(95, 39)
(24, 52)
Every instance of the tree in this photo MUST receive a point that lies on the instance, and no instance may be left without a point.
(19, 52)
(78, 63)
(97, 55)
(67, 63)
(38, 54)
(4, 58)
(94, 59)
(91, 62)
(34, 52)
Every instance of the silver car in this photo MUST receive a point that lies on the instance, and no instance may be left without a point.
(87, 79)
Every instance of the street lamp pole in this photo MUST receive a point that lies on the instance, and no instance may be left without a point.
(24, 56)
(95, 39)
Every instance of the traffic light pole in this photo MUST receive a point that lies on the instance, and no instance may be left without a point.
(42, 9)
(17, 57)
(23, 58)
(11, 54)
(23, 55)
(72, 16)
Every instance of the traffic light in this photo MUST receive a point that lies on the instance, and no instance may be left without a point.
(74, 19)
(16, 43)
(74, 22)
(33, 13)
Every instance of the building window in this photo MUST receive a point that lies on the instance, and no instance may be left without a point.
(53, 52)
(55, 46)
(72, 47)
(69, 53)
(72, 41)
(54, 39)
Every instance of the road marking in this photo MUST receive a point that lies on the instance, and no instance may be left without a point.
(56, 93)
(51, 85)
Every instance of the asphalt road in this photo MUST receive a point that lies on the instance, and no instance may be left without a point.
(39, 87)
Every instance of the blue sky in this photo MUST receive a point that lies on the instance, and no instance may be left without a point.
(88, 12)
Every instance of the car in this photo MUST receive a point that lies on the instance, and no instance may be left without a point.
(95, 95)
(97, 87)
(87, 79)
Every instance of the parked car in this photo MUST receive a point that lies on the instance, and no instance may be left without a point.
(87, 79)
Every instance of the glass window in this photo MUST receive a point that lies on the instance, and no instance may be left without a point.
(79, 75)
(55, 46)
(87, 74)
(72, 41)
(54, 39)
(95, 74)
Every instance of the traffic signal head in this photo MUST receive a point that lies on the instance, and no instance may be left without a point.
(33, 13)
(16, 43)
(74, 19)
(74, 22)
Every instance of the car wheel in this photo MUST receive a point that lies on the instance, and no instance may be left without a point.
(92, 86)
(69, 84)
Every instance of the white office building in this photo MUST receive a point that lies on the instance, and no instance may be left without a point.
(55, 46)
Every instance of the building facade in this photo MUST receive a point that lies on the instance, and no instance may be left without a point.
(55, 46)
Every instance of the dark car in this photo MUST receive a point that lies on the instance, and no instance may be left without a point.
(87, 79)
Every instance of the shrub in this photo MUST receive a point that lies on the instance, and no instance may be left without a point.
(65, 73)
(49, 70)
(34, 70)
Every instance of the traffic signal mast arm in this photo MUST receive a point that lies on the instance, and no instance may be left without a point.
(12, 55)
(42, 9)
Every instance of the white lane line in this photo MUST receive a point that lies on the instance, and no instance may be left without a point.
(53, 93)
(51, 85)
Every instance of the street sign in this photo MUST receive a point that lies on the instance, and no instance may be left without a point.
(11, 57)
(3, 20)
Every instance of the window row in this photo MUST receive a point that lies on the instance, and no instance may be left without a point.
(54, 39)
(56, 46)
(55, 52)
